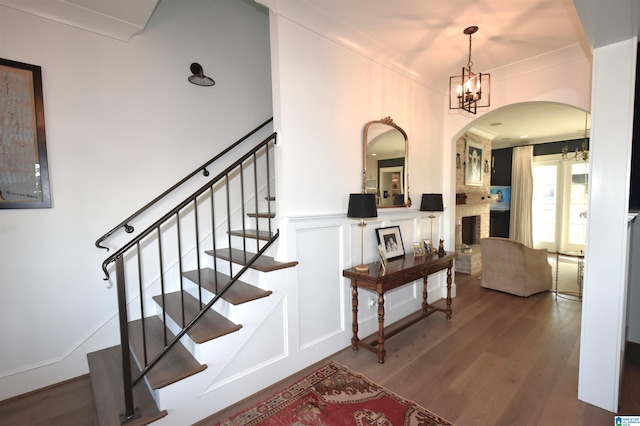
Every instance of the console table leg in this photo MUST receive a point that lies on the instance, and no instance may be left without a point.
(381, 352)
(449, 311)
(425, 305)
(354, 310)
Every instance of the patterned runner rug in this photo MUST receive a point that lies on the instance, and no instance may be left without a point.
(333, 395)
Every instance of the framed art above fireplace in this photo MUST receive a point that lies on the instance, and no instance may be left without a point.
(473, 164)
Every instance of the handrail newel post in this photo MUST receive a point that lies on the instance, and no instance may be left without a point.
(130, 412)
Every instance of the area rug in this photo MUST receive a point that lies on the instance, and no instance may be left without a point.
(333, 395)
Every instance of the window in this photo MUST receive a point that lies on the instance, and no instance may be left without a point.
(545, 188)
(559, 203)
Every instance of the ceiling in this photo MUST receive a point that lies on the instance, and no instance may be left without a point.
(422, 39)
(118, 19)
(532, 123)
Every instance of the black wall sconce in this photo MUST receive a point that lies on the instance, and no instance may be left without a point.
(198, 78)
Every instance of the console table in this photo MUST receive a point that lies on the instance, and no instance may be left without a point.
(397, 273)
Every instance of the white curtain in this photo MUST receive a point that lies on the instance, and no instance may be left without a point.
(520, 224)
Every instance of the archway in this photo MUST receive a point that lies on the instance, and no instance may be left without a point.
(549, 126)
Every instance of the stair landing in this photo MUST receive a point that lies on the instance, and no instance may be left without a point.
(105, 367)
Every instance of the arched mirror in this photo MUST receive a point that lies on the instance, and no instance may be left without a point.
(386, 161)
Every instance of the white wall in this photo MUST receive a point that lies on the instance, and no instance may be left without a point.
(326, 93)
(603, 306)
(123, 124)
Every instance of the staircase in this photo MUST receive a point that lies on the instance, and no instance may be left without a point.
(180, 289)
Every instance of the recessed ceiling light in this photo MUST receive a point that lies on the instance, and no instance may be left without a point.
(524, 136)
(495, 124)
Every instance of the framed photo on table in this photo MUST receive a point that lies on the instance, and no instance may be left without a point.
(391, 241)
(473, 171)
(24, 173)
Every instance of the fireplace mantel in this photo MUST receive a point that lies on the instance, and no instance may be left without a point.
(475, 198)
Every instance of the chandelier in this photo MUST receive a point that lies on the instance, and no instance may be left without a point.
(469, 91)
(581, 155)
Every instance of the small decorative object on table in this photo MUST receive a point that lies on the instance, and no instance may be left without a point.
(428, 247)
(441, 251)
(418, 249)
(383, 257)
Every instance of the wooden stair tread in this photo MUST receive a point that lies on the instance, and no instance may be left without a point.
(252, 233)
(211, 326)
(177, 364)
(268, 215)
(105, 367)
(263, 263)
(239, 292)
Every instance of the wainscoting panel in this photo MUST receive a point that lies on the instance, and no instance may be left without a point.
(320, 301)
(264, 345)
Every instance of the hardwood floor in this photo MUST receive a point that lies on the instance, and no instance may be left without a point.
(501, 360)
(67, 403)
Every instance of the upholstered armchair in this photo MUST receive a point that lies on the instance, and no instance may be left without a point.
(512, 267)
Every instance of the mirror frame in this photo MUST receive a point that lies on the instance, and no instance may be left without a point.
(365, 138)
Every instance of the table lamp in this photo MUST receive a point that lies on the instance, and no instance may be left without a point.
(362, 206)
(431, 203)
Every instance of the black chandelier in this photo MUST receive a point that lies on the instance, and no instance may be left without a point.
(583, 154)
(469, 91)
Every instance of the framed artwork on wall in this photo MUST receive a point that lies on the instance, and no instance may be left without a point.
(24, 173)
(391, 241)
(473, 172)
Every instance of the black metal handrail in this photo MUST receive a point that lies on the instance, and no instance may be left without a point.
(219, 186)
(125, 223)
(188, 200)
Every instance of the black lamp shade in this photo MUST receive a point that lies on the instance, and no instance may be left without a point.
(362, 206)
(431, 203)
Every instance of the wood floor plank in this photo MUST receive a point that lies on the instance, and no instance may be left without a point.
(449, 404)
(68, 403)
(536, 387)
(630, 389)
(560, 407)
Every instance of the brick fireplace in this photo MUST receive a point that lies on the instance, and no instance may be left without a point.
(472, 217)
(471, 230)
